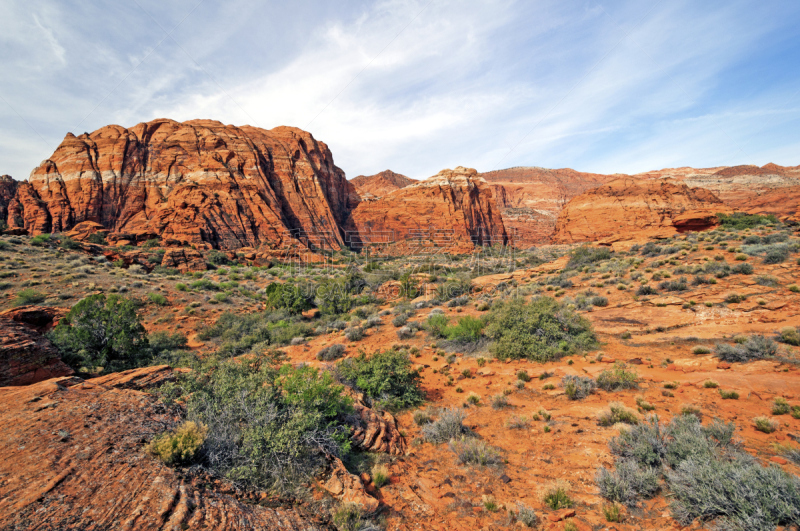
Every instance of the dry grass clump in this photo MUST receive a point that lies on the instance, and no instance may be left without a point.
(179, 446)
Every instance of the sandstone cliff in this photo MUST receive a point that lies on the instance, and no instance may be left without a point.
(531, 198)
(380, 184)
(628, 209)
(198, 182)
(451, 210)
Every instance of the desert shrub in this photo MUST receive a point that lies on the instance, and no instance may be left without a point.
(180, 286)
(436, 325)
(473, 398)
(400, 320)
(742, 269)
(701, 350)
(628, 483)
(331, 352)
(526, 515)
(405, 332)
(157, 298)
(739, 492)
(471, 451)
(728, 395)
(243, 333)
(448, 426)
(578, 387)
(523, 375)
(616, 413)
(69, 243)
(463, 300)
(585, 255)
(674, 285)
(204, 284)
(741, 221)
(542, 329)
(499, 402)
(644, 404)
(267, 427)
(179, 446)
(41, 240)
(354, 333)
(557, 498)
(617, 378)
(294, 298)
(468, 329)
(766, 280)
(518, 423)
(765, 424)
(776, 254)
(780, 406)
(691, 409)
(422, 417)
(790, 335)
(162, 341)
(29, 296)
(710, 384)
(102, 331)
(386, 378)
(646, 290)
(453, 289)
(612, 512)
(755, 347)
(380, 475)
(218, 258)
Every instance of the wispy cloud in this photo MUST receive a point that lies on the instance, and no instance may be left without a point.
(415, 85)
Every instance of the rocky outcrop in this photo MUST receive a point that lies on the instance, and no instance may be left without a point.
(184, 259)
(85, 229)
(8, 189)
(26, 356)
(452, 210)
(377, 432)
(530, 198)
(71, 457)
(194, 182)
(380, 184)
(629, 209)
(767, 189)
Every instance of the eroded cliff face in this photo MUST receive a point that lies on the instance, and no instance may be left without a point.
(454, 209)
(530, 198)
(629, 209)
(197, 182)
(380, 184)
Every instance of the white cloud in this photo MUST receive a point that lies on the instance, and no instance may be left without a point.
(415, 85)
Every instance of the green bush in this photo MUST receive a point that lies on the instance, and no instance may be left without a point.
(204, 284)
(180, 446)
(578, 387)
(243, 333)
(585, 255)
(616, 413)
(543, 329)
(29, 296)
(294, 298)
(218, 258)
(386, 378)
(617, 378)
(41, 240)
(162, 341)
(471, 451)
(102, 332)
(790, 335)
(467, 329)
(334, 297)
(557, 498)
(267, 427)
(436, 325)
(741, 220)
(157, 298)
(69, 243)
(96, 239)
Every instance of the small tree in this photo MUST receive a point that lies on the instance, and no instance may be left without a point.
(102, 332)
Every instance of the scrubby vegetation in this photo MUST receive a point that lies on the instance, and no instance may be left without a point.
(385, 377)
(542, 330)
(102, 333)
(755, 347)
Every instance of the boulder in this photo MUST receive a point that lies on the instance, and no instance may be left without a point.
(27, 357)
(184, 259)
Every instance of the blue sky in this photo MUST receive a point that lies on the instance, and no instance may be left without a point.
(418, 86)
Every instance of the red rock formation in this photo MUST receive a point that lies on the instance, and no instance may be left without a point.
(26, 356)
(184, 259)
(766, 189)
(83, 230)
(8, 189)
(71, 457)
(380, 184)
(531, 198)
(452, 210)
(628, 209)
(198, 181)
